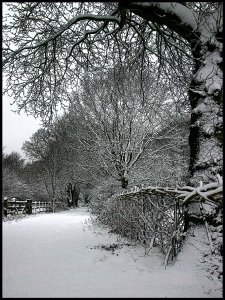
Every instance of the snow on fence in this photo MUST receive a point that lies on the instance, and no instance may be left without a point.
(156, 216)
(39, 206)
(16, 207)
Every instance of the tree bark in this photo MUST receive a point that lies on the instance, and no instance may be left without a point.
(124, 182)
(75, 194)
(205, 94)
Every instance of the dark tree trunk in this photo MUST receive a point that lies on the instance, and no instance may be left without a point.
(124, 182)
(69, 194)
(75, 195)
(205, 96)
(205, 137)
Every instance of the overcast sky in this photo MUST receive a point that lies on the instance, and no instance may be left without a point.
(16, 128)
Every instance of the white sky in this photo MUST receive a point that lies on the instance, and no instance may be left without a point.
(16, 128)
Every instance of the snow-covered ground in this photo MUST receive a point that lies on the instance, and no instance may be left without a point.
(62, 255)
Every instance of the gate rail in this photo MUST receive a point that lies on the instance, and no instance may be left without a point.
(16, 207)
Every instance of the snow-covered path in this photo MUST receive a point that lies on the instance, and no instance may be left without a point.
(57, 255)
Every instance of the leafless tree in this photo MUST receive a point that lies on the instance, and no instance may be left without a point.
(13, 161)
(165, 161)
(43, 147)
(13, 183)
(47, 47)
(121, 126)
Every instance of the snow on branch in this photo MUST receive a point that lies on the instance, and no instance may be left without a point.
(64, 28)
(211, 192)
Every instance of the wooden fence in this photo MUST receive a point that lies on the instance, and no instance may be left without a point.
(16, 207)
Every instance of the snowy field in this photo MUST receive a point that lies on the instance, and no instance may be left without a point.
(61, 255)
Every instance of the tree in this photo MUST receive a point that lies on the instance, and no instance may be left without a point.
(48, 46)
(33, 174)
(165, 161)
(43, 147)
(59, 158)
(13, 183)
(13, 161)
(80, 160)
(121, 127)
(73, 194)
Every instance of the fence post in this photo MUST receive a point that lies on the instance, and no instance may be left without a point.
(144, 213)
(186, 219)
(29, 206)
(53, 205)
(5, 206)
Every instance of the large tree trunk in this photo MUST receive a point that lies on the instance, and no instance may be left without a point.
(205, 95)
(205, 137)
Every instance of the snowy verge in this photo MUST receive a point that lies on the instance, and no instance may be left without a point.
(62, 255)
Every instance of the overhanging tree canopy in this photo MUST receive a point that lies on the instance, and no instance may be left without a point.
(47, 46)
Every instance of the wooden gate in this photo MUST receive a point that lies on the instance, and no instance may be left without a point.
(19, 207)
